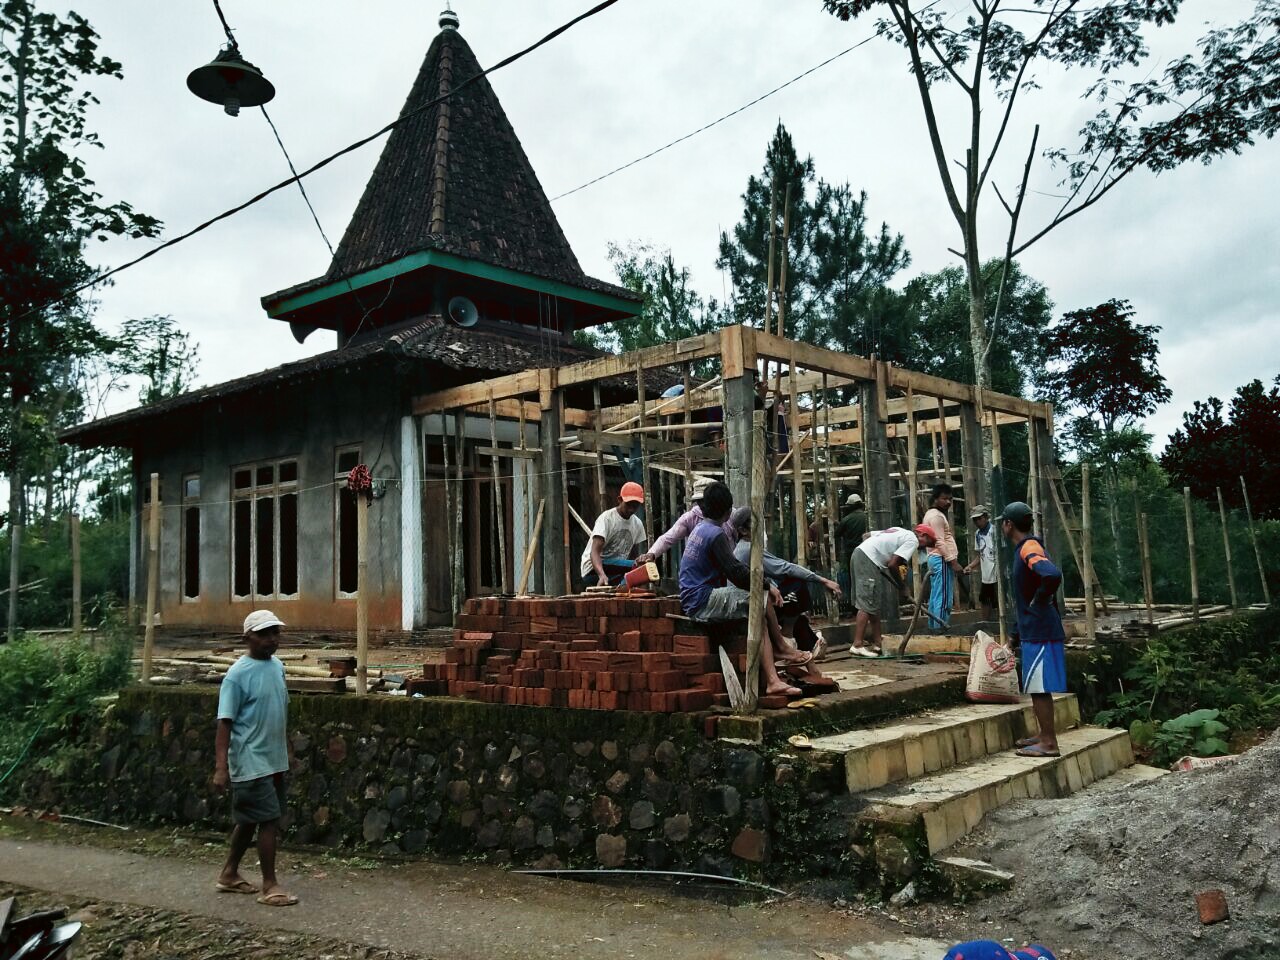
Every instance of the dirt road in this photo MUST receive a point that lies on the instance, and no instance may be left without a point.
(420, 909)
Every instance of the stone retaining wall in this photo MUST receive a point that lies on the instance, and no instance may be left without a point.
(537, 786)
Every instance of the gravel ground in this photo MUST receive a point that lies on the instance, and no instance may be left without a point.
(1115, 873)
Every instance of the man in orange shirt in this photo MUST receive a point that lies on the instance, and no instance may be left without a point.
(943, 558)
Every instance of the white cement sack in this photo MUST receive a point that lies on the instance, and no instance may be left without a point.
(993, 671)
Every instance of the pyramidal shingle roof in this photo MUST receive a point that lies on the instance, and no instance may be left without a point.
(455, 178)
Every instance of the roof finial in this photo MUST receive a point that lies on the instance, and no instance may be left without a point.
(448, 19)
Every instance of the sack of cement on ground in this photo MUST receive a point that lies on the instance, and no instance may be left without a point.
(1115, 874)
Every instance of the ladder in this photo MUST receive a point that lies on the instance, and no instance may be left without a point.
(1073, 530)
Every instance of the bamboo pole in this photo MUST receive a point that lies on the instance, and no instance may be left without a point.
(756, 609)
(913, 481)
(688, 440)
(644, 456)
(599, 420)
(362, 593)
(1253, 535)
(1148, 585)
(448, 504)
(786, 260)
(532, 550)
(499, 515)
(526, 492)
(768, 287)
(833, 509)
(1226, 549)
(75, 575)
(1191, 555)
(1086, 538)
(564, 497)
(153, 577)
(797, 477)
(1033, 479)
(818, 500)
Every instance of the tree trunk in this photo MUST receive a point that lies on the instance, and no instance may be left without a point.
(15, 544)
(981, 362)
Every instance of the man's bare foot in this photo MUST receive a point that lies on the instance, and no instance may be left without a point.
(782, 689)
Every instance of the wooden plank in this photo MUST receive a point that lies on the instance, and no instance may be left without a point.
(663, 355)
(732, 364)
(756, 610)
(599, 426)
(797, 475)
(471, 394)
(812, 358)
(316, 685)
(650, 502)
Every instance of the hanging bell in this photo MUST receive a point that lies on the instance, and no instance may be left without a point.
(231, 81)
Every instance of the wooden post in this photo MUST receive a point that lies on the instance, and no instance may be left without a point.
(688, 441)
(566, 529)
(768, 287)
(499, 515)
(1191, 555)
(913, 482)
(551, 466)
(1086, 539)
(153, 577)
(971, 476)
(650, 503)
(738, 390)
(1253, 535)
(797, 467)
(819, 501)
(1226, 549)
(532, 550)
(448, 502)
(362, 592)
(1148, 585)
(875, 473)
(756, 610)
(998, 501)
(1050, 527)
(1033, 481)
(75, 575)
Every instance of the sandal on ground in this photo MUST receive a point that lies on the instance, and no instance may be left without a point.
(820, 647)
(278, 899)
(240, 886)
(864, 651)
(1026, 742)
(1037, 751)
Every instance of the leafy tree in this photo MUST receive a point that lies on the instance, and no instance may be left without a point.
(1210, 449)
(156, 350)
(1207, 103)
(49, 210)
(672, 309)
(836, 269)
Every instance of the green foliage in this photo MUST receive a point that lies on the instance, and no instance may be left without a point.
(1247, 438)
(47, 689)
(104, 561)
(1188, 690)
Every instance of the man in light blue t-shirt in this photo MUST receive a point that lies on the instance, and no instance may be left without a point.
(252, 754)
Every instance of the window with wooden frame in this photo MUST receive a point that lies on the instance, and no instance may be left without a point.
(345, 558)
(264, 531)
(191, 537)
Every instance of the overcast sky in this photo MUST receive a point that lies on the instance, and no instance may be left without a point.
(1195, 250)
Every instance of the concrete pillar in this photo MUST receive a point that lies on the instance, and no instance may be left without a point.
(739, 404)
(549, 465)
(412, 575)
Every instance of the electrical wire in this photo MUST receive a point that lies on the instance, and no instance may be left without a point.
(319, 165)
(717, 121)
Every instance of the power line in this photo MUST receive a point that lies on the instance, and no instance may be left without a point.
(258, 197)
(718, 120)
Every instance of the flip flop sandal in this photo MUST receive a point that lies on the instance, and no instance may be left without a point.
(800, 741)
(1026, 742)
(1037, 752)
(802, 703)
(869, 652)
(803, 660)
(278, 899)
(240, 886)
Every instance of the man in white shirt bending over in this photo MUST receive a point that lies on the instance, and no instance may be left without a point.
(875, 567)
(618, 531)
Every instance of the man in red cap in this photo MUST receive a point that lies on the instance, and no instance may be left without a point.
(875, 562)
(614, 538)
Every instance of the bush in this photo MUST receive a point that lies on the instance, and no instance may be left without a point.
(47, 690)
(1227, 667)
(1198, 733)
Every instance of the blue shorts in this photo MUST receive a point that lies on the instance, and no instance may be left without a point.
(1044, 667)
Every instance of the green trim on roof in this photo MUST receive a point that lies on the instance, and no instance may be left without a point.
(449, 261)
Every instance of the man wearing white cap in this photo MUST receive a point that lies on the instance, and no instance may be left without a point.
(984, 558)
(252, 754)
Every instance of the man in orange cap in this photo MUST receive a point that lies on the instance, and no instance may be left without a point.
(614, 538)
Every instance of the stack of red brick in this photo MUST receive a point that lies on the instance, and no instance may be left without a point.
(595, 653)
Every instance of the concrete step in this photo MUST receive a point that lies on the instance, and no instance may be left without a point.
(948, 804)
(936, 740)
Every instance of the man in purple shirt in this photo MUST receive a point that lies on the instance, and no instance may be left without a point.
(681, 529)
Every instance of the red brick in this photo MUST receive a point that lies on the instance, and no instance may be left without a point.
(544, 625)
(630, 641)
(689, 643)
(605, 680)
(608, 700)
(579, 645)
(710, 726)
(772, 702)
(664, 680)
(1212, 906)
(711, 682)
(694, 701)
(620, 625)
(478, 635)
